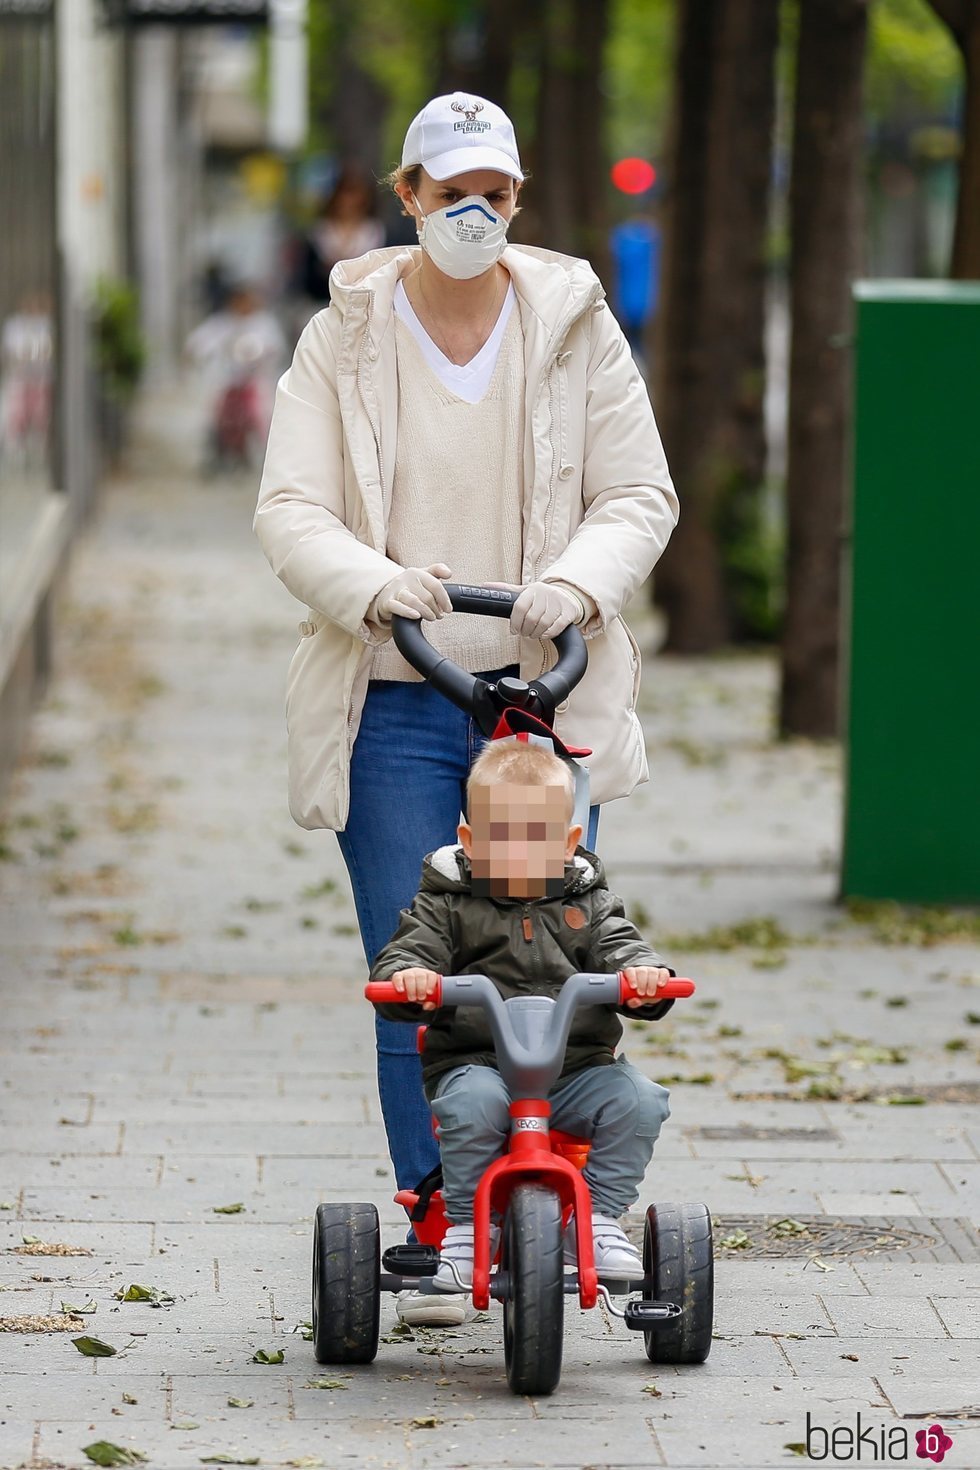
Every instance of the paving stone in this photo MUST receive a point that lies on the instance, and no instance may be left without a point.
(63, 1396)
(843, 1202)
(960, 1315)
(931, 1278)
(484, 1441)
(883, 1316)
(16, 1441)
(911, 1358)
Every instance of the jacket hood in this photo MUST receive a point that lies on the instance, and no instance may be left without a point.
(553, 288)
(447, 870)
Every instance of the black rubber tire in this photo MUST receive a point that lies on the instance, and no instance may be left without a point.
(532, 1255)
(346, 1283)
(678, 1258)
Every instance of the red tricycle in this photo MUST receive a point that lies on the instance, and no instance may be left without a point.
(535, 1186)
(533, 1189)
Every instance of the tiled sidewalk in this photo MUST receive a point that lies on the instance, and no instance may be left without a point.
(182, 1031)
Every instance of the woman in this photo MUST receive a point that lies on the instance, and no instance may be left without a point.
(347, 226)
(469, 409)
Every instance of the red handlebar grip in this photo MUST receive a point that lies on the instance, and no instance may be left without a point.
(384, 990)
(673, 990)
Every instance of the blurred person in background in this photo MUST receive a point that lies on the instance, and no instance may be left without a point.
(26, 372)
(464, 408)
(240, 348)
(348, 226)
(635, 250)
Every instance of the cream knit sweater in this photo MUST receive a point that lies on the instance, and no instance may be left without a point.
(458, 496)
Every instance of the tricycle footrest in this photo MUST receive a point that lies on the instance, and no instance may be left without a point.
(411, 1260)
(642, 1316)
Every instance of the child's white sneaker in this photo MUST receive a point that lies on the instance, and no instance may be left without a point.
(455, 1271)
(425, 1309)
(615, 1255)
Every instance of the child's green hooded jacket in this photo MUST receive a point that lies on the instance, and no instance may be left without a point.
(526, 946)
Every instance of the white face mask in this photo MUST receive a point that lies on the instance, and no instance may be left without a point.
(464, 239)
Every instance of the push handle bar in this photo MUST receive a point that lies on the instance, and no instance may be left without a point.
(384, 992)
(540, 697)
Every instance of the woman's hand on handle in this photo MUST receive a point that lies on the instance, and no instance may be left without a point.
(543, 609)
(416, 592)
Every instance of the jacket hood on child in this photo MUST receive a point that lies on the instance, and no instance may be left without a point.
(526, 946)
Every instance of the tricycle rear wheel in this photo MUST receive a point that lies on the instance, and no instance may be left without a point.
(678, 1260)
(346, 1283)
(532, 1256)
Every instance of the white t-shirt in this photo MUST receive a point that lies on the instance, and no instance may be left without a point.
(471, 380)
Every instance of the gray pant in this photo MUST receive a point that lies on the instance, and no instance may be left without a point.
(617, 1107)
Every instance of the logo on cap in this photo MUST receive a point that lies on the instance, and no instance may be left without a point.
(471, 125)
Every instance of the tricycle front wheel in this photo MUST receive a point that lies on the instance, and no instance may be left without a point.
(346, 1283)
(678, 1261)
(532, 1258)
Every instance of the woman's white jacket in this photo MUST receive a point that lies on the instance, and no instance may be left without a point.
(599, 507)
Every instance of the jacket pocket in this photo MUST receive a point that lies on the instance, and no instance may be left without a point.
(635, 661)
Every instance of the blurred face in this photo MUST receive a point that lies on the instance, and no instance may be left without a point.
(498, 189)
(518, 840)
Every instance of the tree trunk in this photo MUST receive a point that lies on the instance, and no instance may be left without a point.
(566, 203)
(476, 53)
(963, 19)
(359, 103)
(825, 227)
(709, 357)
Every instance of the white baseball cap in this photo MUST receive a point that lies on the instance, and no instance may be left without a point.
(459, 132)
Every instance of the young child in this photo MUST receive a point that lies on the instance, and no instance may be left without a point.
(520, 901)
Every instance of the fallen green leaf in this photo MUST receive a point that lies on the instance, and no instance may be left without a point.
(78, 1311)
(652, 1390)
(788, 1226)
(32, 1240)
(324, 1383)
(222, 1459)
(128, 1398)
(104, 1452)
(151, 1294)
(426, 1421)
(796, 1447)
(91, 1347)
(276, 1356)
(827, 1088)
(736, 1240)
(240, 1403)
(235, 1209)
(185, 1424)
(306, 1462)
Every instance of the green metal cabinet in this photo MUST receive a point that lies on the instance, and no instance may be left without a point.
(912, 792)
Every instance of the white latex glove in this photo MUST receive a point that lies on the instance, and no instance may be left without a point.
(416, 592)
(543, 609)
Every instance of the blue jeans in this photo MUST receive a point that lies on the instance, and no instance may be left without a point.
(408, 776)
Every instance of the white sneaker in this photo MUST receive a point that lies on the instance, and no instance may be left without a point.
(424, 1309)
(456, 1257)
(615, 1254)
